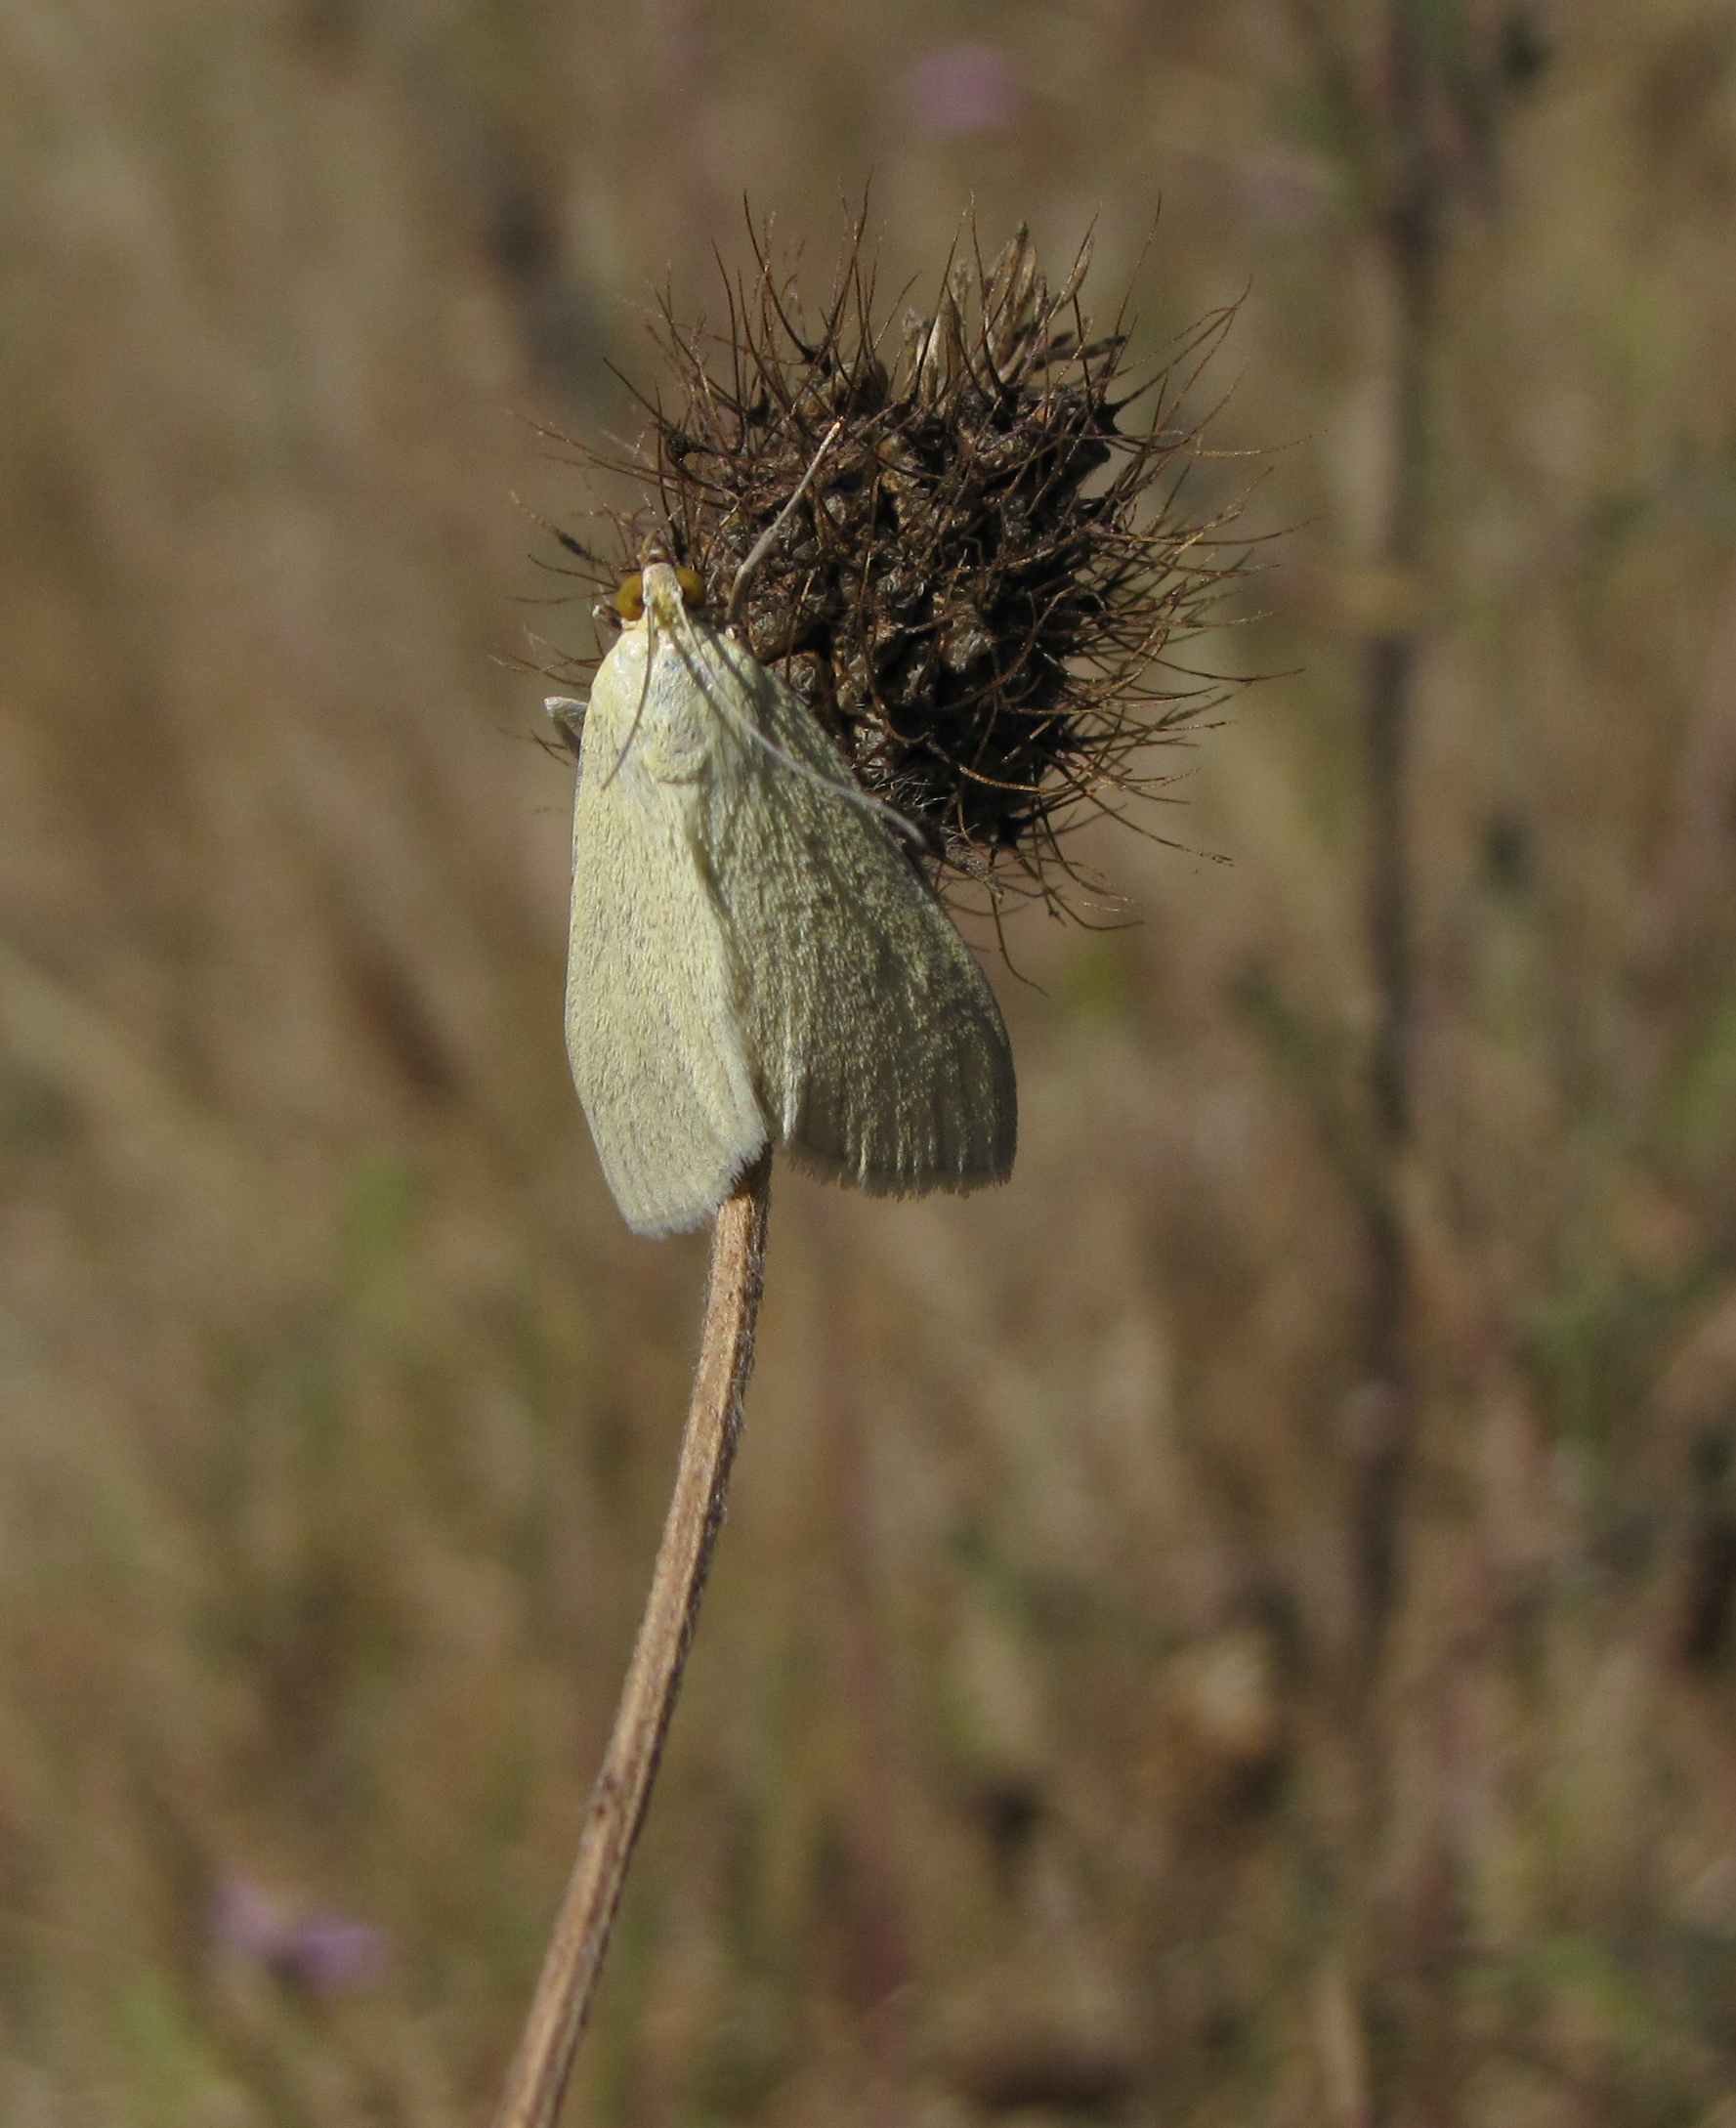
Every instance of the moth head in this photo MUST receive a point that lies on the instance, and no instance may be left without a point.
(656, 581)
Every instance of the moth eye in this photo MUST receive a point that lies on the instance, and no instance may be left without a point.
(692, 591)
(629, 600)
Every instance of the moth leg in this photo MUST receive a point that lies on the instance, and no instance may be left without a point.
(567, 713)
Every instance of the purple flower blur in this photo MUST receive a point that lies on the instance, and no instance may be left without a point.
(963, 88)
(318, 1953)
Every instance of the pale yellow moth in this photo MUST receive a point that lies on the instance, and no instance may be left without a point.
(753, 957)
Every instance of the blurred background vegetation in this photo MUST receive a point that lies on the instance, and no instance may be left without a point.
(1234, 1628)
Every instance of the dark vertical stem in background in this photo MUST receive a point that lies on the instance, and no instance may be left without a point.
(1422, 2079)
(1409, 235)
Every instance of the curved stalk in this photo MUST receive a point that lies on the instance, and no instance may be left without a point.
(538, 2079)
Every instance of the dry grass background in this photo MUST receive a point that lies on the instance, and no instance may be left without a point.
(1022, 1770)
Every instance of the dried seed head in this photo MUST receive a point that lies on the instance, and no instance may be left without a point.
(984, 582)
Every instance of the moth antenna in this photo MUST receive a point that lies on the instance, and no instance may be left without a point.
(878, 807)
(651, 651)
(762, 546)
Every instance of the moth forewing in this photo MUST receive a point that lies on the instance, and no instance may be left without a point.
(653, 1010)
(880, 1051)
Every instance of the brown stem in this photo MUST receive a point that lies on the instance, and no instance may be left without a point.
(537, 2078)
(1410, 234)
(1419, 2080)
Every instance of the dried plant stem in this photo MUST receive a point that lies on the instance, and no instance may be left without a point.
(1411, 241)
(1425, 2080)
(538, 2079)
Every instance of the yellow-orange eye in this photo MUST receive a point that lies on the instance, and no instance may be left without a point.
(629, 600)
(692, 591)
